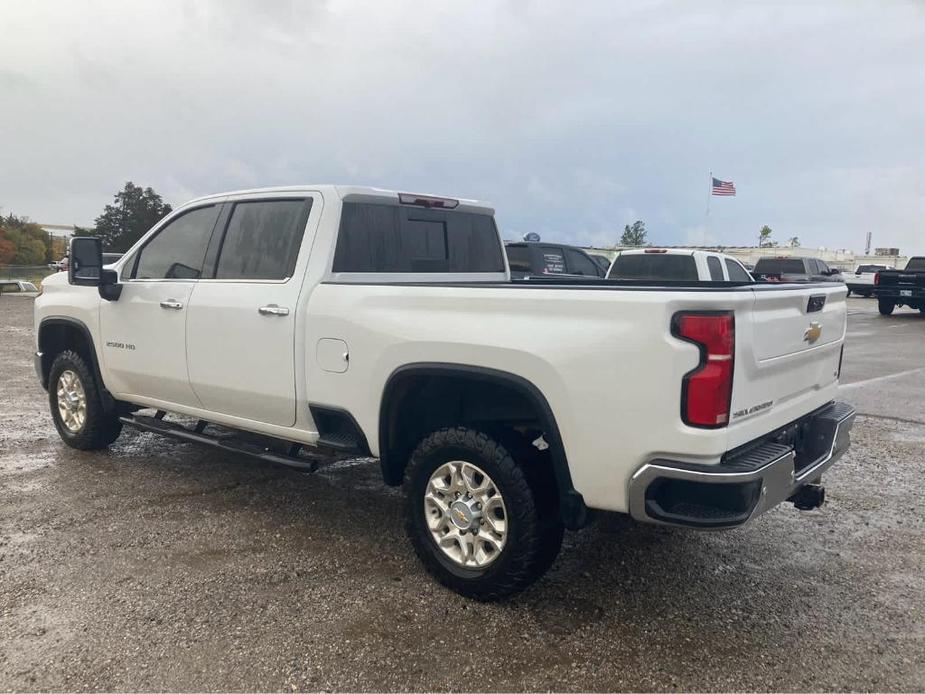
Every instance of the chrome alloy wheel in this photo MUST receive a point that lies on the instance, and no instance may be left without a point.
(72, 401)
(465, 514)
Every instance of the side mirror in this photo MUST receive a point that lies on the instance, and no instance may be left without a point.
(86, 268)
(834, 271)
(86, 261)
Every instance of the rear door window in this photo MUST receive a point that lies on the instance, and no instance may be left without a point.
(736, 272)
(553, 261)
(716, 270)
(654, 266)
(177, 251)
(390, 239)
(580, 264)
(262, 239)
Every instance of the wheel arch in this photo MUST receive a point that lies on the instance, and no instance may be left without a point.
(463, 390)
(59, 333)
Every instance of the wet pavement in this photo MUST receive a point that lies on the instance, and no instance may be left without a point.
(158, 565)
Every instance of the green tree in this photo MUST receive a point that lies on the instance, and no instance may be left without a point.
(793, 241)
(764, 237)
(634, 235)
(133, 211)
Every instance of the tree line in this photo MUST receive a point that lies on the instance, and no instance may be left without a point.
(635, 235)
(23, 242)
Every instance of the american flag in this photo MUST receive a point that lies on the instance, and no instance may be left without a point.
(723, 187)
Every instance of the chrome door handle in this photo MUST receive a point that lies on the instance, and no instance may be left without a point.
(273, 310)
(172, 304)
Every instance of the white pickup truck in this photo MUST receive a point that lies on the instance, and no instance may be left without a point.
(369, 322)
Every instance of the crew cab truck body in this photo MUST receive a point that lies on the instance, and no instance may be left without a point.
(365, 321)
(904, 287)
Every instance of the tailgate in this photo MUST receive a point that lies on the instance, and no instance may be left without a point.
(785, 321)
(788, 350)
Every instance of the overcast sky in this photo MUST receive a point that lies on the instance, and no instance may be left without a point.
(573, 118)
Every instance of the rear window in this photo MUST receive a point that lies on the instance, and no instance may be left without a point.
(916, 264)
(870, 268)
(653, 266)
(779, 266)
(389, 238)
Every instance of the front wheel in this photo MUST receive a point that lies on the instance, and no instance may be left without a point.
(886, 306)
(475, 518)
(77, 406)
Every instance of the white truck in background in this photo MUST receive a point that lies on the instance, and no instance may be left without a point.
(367, 321)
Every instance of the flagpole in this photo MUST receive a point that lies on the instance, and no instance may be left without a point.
(709, 195)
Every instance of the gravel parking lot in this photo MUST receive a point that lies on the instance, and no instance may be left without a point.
(163, 565)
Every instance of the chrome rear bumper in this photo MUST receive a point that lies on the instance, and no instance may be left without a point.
(748, 481)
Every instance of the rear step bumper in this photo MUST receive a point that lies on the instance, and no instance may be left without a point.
(748, 481)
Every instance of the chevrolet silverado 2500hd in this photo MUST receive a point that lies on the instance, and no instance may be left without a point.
(358, 320)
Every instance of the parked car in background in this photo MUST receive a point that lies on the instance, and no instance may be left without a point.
(904, 287)
(17, 287)
(786, 269)
(678, 264)
(528, 259)
(862, 281)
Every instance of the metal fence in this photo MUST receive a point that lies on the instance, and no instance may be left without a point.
(29, 273)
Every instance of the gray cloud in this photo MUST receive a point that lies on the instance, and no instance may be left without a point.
(573, 118)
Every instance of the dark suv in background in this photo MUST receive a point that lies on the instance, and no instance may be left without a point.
(533, 258)
(795, 270)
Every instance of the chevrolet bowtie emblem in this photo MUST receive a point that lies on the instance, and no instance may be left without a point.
(812, 332)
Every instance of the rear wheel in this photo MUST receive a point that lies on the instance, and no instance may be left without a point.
(886, 306)
(475, 518)
(76, 405)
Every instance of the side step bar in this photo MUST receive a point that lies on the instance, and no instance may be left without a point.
(229, 443)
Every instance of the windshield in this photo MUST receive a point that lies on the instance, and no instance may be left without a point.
(653, 266)
(917, 263)
(779, 266)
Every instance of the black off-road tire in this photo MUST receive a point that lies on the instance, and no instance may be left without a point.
(101, 426)
(885, 306)
(534, 530)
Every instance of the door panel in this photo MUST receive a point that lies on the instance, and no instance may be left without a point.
(144, 344)
(241, 361)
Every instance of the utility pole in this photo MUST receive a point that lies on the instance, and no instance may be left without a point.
(867, 247)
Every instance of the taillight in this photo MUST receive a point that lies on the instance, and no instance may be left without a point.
(877, 278)
(706, 391)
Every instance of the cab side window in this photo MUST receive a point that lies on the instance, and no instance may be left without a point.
(716, 270)
(177, 251)
(262, 240)
(736, 272)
